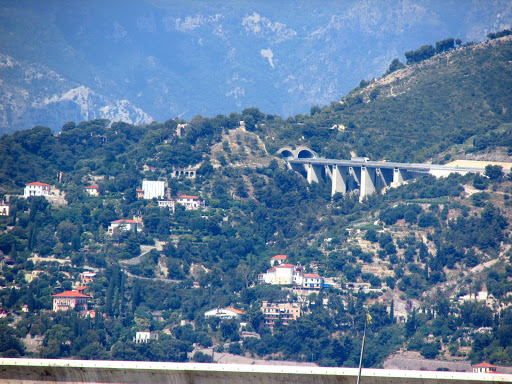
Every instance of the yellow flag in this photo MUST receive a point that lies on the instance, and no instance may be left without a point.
(368, 318)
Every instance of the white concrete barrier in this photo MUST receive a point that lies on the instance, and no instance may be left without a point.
(41, 371)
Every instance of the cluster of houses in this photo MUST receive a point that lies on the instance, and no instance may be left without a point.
(157, 190)
(281, 273)
(150, 190)
(486, 298)
(272, 312)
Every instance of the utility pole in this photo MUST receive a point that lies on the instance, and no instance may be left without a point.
(367, 319)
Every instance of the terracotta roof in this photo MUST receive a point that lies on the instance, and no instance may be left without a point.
(485, 365)
(236, 310)
(285, 266)
(124, 221)
(180, 196)
(71, 294)
(279, 257)
(271, 270)
(81, 288)
(41, 184)
(313, 275)
(92, 187)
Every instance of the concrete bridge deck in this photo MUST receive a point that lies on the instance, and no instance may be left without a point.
(388, 165)
(364, 175)
(46, 371)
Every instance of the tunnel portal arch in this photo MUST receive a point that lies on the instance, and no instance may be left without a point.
(301, 152)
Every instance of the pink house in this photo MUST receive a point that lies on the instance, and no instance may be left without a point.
(70, 300)
(87, 277)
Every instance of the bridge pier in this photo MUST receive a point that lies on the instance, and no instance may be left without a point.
(354, 178)
(399, 176)
(361, 173)
(314, 173)
(367, 182)
(383, 178)
(339, 179)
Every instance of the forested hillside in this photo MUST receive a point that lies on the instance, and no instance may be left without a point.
(411, 256)
(458, 97)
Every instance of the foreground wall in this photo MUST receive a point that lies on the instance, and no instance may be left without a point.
(40, 371)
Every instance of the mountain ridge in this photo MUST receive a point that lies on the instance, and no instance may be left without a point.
(32, 92)
(161, 56)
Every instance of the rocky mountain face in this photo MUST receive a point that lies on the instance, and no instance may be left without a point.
(174, 59)
(32, 94)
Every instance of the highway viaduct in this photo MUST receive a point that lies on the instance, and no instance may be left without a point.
(361, 173)
(48, 371)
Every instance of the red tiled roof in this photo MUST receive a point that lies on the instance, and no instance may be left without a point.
(124, 221)
(485, 365)
(279, 257)
(236, 310)
(92, 187)
(81, 288)
(314, 275)
(180, 196)
(271, 270)
(41, 184)
(285, 266)
(71, 294)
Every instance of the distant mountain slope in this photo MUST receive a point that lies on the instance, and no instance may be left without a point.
(181, 59)
(32, 94)
(443, 101)
(414, 113)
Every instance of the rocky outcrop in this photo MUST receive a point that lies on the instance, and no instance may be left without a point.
(32, 95)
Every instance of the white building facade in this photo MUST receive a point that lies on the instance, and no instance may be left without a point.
(313, 281)
(153, 189)
(123, 225)
(36, 189)
(92, 190)
(190, 202)
(284, 274)
(4, 209)
(145, 336)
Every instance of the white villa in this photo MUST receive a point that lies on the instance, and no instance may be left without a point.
(225, 313)
(36, 189)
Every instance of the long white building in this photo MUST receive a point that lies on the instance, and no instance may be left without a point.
(153, 189)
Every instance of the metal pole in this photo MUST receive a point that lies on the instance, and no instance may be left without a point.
(362, 350)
